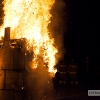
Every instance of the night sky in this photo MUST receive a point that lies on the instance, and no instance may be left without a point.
(82, 37)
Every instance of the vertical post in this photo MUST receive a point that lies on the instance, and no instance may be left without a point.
(7, 34)
(4, 79)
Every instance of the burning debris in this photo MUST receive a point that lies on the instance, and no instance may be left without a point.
(30, 19)
(40, 25)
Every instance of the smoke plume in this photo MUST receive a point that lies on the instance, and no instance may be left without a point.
(57, 27)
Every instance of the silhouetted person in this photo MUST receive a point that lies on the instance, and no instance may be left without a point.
(57, 75)
(56, 80)
(87, 64)
(87, 78)
(72, 70)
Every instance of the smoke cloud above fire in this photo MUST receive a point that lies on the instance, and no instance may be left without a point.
(58, 26)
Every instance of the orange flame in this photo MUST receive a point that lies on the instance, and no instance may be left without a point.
(30, 19)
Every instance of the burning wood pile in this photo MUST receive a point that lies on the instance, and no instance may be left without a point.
(30, 19)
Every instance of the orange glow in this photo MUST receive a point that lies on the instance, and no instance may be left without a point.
(30, 19)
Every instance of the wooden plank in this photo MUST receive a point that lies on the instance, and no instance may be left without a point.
(6, 95)
(1, 79)
(14, 80)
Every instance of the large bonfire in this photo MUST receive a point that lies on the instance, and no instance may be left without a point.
(30, 19)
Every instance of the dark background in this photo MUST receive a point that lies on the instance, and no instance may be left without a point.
(82, 37)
